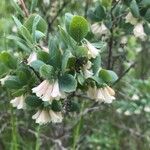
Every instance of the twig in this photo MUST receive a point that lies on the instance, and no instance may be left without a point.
(56, 141)
(24, 8)
(125, 72)
(111, 37)
(55, 17)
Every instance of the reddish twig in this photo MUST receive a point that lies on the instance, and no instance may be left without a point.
(22, 3)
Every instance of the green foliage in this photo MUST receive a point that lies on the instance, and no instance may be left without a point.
(108, 76)
(33, 101)
(47, 72)
(78, 28)
(67, 83)
(40, 24)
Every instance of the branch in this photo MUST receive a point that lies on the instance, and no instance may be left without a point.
(59, 11)
(24, 7)
(124, 73)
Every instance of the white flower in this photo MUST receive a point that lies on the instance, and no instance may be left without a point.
(99, 30)
(137, 111)
(45, 116)
(92, 51)
(48, 91)
(31, 58)
(139, 31)
(147, 109)
(46, 2)
(56, 117)
(42, 117)
(4, 79)
(124, 40)
(19, 102)
(135, 97)
(130, 19)
(127, 113)
(86, 70)
(119, 110)
(14, 29)
(105, 94)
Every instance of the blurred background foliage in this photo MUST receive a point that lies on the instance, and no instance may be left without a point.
(125, 124)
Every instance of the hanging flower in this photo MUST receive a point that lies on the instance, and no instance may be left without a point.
(87, 70)
(139, 31)
(45, 116)
(19, 102)
(2, 80)
(99, 29)
(147, 108)
(42, 117)
(31, 58)
(92, 51)
(130, 19)
(56, 117)
(105, 94)
(135, 97)
(48, 91)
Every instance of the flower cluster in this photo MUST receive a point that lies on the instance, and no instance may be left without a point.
(49, 75)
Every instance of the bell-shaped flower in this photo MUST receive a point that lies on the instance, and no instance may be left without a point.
(42, 117)
(87, 70)
(147, 108)
(56, 117)
(130, 19)
(2, 80)
(139, 31)
(32, 57)
(19, 102)
(45, 116)
(48, 91)
(92, 51)
(105, 94)
(99, 29)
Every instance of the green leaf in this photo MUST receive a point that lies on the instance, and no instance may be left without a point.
(67, 39)
(108, 76)
(23, 74)
(78, 28)
(98, 14)
(37, 64)
(96, 64)
(18, 92)
(55, 53)
(47, 72)
(33, 101)
(145, 3)
(68, 18)
(17, 8)
(33, 5)
(147, 15)
(81, 51)
(34, 26)
(3, 69)
(8, 60)
(56, 106)
(65, 59)
(74, 106)
(134, 8)
(39, 35)
(13, 82)
(43, 56)
(106, 3)
(26, 34)
(41, 25)
(17, 22)
(67, 83)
